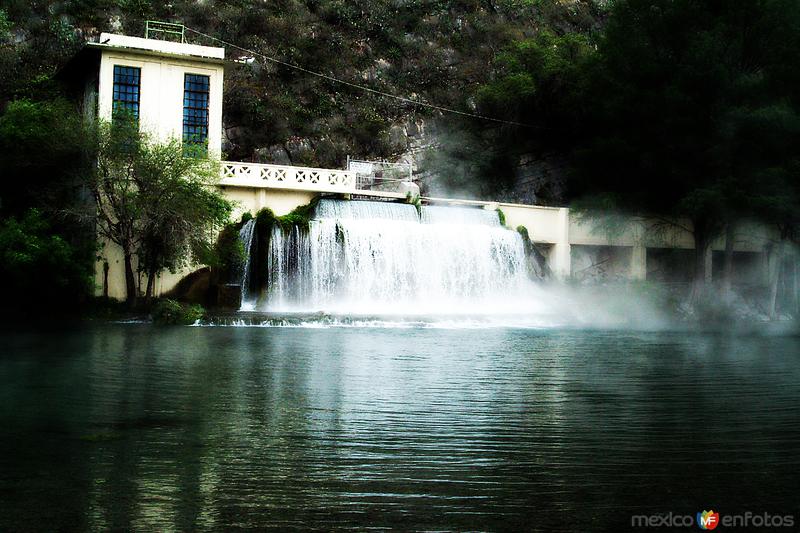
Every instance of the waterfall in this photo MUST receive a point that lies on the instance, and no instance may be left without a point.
(246, 236)
(362, 257)
(460, 215)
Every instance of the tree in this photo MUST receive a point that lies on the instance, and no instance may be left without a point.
(182, 210)
(538, 88)
(40, 268)
(540, 81)
(154, 201)
(764, 163)
(44, 148)
(44, 151)
(678, 85)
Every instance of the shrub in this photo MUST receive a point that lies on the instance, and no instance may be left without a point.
(170, 312)
(38, 266)
(228, 255)
(300, 216)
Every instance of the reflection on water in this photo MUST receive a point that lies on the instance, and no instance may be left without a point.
(137, 428)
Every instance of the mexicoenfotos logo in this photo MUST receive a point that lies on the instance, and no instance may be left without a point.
(707, 519)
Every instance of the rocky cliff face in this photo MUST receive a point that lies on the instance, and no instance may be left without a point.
(438, 52)
(533, 178)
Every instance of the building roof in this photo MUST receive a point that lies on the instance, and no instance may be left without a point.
(157, 47)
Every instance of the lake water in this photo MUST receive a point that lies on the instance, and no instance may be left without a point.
(134, 427)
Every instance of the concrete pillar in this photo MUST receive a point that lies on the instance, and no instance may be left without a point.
(708, 258)
(638, 267)
(560, 261)
(560, 256)
(638, 262)
(766, 266)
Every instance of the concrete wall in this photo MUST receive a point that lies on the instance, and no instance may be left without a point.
(575, 247)
(253, 199)
(545, 225)
(624, 249)
(601, 263)
(249, 200)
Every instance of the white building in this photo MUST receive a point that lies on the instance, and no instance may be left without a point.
(175, 89)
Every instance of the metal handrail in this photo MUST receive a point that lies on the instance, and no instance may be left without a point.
(165, 28)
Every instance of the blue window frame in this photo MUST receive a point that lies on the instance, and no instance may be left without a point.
(195, 109)
(126, 90)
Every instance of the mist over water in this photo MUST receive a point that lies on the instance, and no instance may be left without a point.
(379, 263)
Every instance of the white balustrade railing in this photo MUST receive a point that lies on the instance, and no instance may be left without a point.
(287, 177)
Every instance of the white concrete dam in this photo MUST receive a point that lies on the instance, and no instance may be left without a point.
(361, 257)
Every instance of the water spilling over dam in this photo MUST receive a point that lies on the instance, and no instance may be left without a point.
(363, 257)
(246, 235)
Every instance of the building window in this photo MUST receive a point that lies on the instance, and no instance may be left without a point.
(126, 90)
(195, 109)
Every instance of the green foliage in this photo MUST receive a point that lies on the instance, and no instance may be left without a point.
(182, 209)
(502, 217)
(38, 266)
(265, 218)
(299, 217)
(436, 51)
(416, 201)
(42, 39)
(171, 313)
(228, 254)
(292, 219)
(44, 148)
(44, 151)
(154, 202)
(50, 126)
(695, 111)
(523, 231)
(5, 27)
(541, 82)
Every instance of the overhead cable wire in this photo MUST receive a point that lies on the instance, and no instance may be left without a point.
(360, 87)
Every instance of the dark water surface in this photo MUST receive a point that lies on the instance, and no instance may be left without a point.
(133, 427)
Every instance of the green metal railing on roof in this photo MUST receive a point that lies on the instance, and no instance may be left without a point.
(165, 31)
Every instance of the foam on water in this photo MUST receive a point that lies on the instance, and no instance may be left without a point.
(333, 322)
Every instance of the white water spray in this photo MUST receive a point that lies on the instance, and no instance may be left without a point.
(246, 236)
(383, 258)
